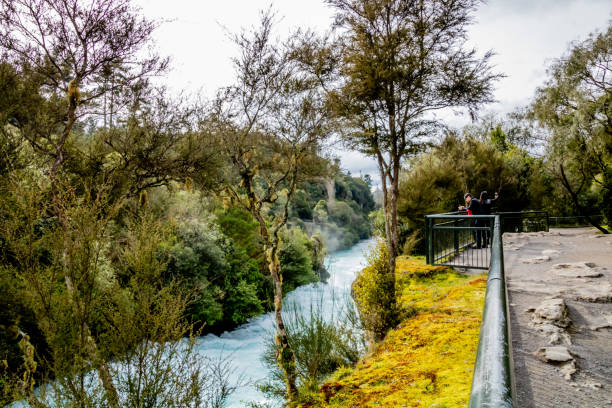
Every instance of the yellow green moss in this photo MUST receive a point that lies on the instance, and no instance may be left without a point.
(428, 360)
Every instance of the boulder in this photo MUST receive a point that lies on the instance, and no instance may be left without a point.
(550, 318)
(554, 354)
(552, 310)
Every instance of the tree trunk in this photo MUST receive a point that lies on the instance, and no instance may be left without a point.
(385, 192)
(580, 208)
(394, 244)
(284, 354)
(390, 213)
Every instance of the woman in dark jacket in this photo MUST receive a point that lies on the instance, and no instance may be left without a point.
(485, 207)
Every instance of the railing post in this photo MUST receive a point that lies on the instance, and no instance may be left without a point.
(456, 238)
(429, 228)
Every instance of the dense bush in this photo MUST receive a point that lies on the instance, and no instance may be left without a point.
(296, 257)
(219, 258)
(341, 222)
(436, 181)
(371, 291)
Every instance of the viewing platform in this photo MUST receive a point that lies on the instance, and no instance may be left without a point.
(546, 335)
(560, 302)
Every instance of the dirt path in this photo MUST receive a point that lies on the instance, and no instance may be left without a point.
(560, 294)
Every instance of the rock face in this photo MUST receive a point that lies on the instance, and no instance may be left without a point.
(553, 353)
(567, 369)
(552, 310)
(593, 293)
(550, 318)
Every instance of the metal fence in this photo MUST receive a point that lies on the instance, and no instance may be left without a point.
(459, 240)
(574, 221)
(524, 221)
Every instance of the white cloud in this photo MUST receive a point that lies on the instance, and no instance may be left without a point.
(525, 34)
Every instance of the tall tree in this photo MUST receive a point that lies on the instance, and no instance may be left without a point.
(269, 125)
(66, 44)
(69, 45)
(575, 106)
(400, 61)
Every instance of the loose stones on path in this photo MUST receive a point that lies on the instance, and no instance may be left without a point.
(578, 270)
(560, 346)
(551, 319)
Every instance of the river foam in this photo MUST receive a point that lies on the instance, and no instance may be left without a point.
(245, 344)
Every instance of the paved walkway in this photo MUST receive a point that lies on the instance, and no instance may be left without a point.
(560, 294)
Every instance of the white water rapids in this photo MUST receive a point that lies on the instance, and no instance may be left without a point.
(245, 344)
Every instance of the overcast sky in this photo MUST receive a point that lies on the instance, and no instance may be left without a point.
(525, 34)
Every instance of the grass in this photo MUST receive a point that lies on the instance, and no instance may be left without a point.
(427, 361)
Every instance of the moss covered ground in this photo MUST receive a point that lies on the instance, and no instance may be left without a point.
(427, 361)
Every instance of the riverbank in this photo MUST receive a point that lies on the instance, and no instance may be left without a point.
(428, 359)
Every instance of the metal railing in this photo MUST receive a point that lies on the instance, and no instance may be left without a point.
(574, 221)
(459, 240)
(493, 381)
(524, 221)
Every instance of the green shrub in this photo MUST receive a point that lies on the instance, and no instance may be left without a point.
(322, 343)
(296, 260)
(373, 295)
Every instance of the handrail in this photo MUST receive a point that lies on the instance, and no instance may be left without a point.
(493, 380)
(522, 212)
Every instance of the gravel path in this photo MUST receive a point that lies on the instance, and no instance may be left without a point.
(560, 295)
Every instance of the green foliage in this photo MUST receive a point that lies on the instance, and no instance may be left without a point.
(574, 106)
(427, 360)
(340, 212)
(605, 202)
(354, 190)
(437, 180)
(93, 302)
(343, 220)
(320, 212)
(322, 343)
(499, 139)
(296, 260)
(371, 291)
(377, 220)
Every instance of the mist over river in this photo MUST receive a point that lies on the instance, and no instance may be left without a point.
(245, 344)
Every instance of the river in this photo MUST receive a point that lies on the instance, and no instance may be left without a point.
(244, 345)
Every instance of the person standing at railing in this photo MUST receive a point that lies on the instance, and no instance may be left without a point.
(485, 204)
(473, 207)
